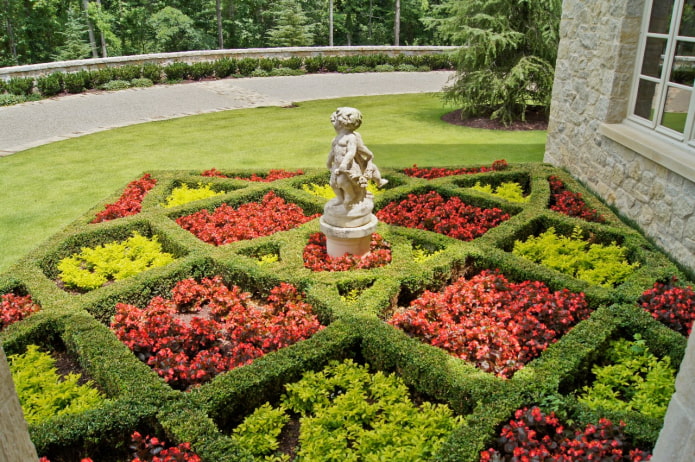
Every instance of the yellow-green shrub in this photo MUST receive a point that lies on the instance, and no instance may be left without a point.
(185, 194)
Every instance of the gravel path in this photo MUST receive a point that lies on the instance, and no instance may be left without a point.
(33, 124)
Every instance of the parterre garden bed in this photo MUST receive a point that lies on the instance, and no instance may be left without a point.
(247, 343)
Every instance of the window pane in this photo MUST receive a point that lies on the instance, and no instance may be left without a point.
(660, 19)
(676, 109)
(687, 28)
(683, 70)
(644, 106)
(653, 54)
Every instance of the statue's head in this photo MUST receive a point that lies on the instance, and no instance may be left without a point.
(347, 117)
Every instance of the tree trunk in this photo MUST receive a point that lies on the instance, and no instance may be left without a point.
(10, 33)
(90, 29)
(330, 23)
(397, 24)
(104, 52)
(218, 12)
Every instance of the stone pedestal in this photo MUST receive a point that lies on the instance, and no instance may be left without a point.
(354, 241)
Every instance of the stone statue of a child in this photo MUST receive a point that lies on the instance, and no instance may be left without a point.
(350, 162)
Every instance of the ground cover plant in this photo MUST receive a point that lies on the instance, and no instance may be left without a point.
(461, 323)
(317, 259)
(15, 308)
(184, 194)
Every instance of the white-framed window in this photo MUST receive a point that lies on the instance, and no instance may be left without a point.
(662, 97)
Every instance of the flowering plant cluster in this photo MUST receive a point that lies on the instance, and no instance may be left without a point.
(451, 217)
(496, 324)
(534, 435)
(152, 449)
(671, 304)
(571, 203)
(316, 258)
(273, 174)
(15, 308)
(249, 221)
(130, 202)
(430, 173)
(231, 331)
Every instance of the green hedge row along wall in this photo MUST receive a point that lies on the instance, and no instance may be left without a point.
(355, 326)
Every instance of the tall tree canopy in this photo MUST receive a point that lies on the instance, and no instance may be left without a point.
(507, 58)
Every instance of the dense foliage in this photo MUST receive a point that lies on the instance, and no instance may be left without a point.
(272, 175)
(496, 324)
(632, 379)
(534, 435)
(451, 217)
(348, 413)
(227, 330)
(605, 265)
(507, 59)
(510, 190)
(248, 221)
(49, 30)
(43, 393)
(93, 267)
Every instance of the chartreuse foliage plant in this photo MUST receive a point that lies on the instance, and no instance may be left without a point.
(347, 413)
(326, 192)
(184, 194)
(43, 393)
(510, 190)
(633, 380)
(95, 266)
(189, 349)
(604, 265)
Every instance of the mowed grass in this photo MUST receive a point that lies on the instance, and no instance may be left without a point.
(45, 188)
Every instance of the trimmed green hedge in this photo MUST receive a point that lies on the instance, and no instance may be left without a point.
(352, 305)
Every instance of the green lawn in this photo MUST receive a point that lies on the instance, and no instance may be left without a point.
(45, 188)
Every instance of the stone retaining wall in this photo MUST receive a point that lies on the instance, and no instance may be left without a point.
(37, 70)
(596, 60)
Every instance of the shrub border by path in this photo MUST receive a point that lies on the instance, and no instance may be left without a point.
(355, 328)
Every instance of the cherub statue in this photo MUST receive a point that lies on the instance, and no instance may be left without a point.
(350, 162)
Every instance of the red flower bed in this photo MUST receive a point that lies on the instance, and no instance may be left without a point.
(430, 173)
(535, 436)
(671, 305)
(496, 324)
(274, 174)
(571, 203)
(316, 258)
(152, 449)
(231, 332)
(15, 308)
(249, 221)
(452, 217)
(130, 202)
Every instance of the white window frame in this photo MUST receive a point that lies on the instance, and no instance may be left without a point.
(687, 138)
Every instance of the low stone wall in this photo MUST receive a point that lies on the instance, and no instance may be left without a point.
(37, 70)
(596, 59)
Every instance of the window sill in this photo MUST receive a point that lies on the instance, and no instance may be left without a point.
(677, 158)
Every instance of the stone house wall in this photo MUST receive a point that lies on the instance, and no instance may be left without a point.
(594, 71)
(624, 166)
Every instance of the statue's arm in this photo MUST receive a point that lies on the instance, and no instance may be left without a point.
(350, 151)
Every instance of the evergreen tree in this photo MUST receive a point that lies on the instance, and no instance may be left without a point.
(75, 45)
(507, 57)
(291, 28)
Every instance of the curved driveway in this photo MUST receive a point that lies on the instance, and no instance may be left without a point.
(33, 124)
